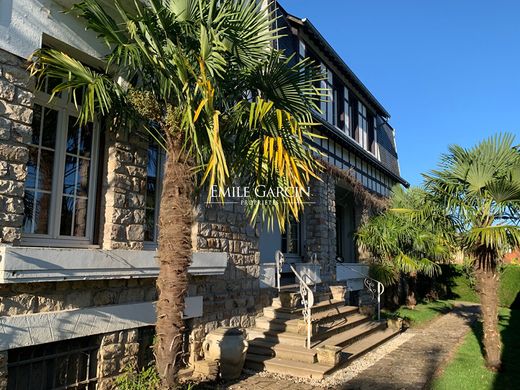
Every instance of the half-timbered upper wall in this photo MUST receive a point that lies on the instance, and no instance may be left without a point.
(23, 24)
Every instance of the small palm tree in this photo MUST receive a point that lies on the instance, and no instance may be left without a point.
(406, 238)
(480, 188)
(203, 78)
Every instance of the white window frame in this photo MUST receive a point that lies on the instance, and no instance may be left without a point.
(362, 125)
(65, 110)
(376, 144)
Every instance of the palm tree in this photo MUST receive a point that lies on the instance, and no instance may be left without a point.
(480, 188)
(202, 77)
(410, 237)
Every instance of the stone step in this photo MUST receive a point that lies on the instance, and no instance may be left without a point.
(350, 336)
(327, 317)
(292, 299)
(287, 352)
(368, 343)
(276, 337)
(292, 313)
(286, 367)
(275, 324)
(339, 326)
(334, 313)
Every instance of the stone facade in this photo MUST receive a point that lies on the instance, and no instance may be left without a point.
(15, 131)
(320, 226)
(235, 298)
(3, 370)
(30, 298)
(124, 190)
(118, 351)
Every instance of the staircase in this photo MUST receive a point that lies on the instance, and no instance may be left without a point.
(339, 335)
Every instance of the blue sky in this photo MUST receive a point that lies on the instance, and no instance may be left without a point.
(448, 71)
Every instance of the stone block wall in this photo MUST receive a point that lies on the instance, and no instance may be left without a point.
(235, 298)
(118, 352)
(320, 226)
(30, 298)
(3, 370)
(15, 131)
(125, 189)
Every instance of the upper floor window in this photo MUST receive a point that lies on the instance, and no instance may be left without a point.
(346, 112)
(153, 191)
(61, 171)
(362, 133)
(329, 102)
(301, 50)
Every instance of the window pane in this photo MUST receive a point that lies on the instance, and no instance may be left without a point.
(80, 218)
(28, 204)
(69, 180)
(72, 136)
(149, 232)
(36, 124)
(52, 82)
(151, 192)
(50, 125)
(79, 137)
(45, 171)
(152, 161)
(83, 177)
(67, 215)
(42, 205)
(32, 165)
(85, 141)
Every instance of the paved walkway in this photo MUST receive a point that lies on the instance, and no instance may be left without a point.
(411, 366)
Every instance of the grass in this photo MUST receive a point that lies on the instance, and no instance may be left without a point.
(422, 314)
(467, 369)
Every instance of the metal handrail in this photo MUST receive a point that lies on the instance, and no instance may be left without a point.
(306, 293)
(378, 289)
(308, 302)
(279, 258)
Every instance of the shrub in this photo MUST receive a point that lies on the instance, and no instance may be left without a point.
(146, 379)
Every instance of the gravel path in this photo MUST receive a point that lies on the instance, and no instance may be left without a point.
(408, 361)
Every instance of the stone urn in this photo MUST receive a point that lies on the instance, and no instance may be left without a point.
(227, 346)
(338, 292)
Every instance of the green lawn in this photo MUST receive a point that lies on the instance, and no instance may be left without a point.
(422, 313)
(467, 370)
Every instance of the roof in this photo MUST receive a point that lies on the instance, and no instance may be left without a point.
(313, 32)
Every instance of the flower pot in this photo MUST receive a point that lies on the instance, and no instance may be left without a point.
(228, 346)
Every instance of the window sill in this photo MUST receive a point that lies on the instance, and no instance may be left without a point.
(45, 242)
(42, 264)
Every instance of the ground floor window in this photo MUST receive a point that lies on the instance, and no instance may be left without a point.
(68, 364)
(291, 238)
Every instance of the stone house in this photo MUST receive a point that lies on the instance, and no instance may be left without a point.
(78, 215)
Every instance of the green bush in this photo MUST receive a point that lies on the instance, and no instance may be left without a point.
(462, 285)
(510, 286)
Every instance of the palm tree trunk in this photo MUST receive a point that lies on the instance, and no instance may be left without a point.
(411, 300)
(175, 249)
(488, 284)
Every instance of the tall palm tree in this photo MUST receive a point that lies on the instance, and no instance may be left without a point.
(480, 188)
(202, 77)
(410, 237)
